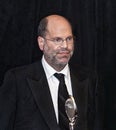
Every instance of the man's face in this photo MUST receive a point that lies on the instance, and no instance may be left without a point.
(58, 52)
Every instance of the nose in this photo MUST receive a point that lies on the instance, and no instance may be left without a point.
(64, 43)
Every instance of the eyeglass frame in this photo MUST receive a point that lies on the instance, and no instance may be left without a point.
(55, 39)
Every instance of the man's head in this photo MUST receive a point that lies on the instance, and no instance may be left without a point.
(55, 39)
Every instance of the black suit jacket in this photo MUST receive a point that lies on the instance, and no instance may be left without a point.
(26, 104)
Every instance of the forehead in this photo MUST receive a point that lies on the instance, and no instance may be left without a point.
(58, 26)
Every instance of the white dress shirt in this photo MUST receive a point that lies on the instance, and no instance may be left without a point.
(53, 82)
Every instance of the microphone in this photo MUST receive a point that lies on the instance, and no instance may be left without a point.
(71, 111)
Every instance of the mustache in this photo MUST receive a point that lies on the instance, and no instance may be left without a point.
(63, 50)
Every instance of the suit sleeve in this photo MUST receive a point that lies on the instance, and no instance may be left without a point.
(8, 102)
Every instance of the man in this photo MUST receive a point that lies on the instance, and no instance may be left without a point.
(29, 94)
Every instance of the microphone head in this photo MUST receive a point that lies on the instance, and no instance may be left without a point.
(71, 108)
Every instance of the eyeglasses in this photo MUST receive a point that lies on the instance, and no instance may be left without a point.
(59, 40)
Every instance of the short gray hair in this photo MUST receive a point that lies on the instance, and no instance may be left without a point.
(42, 28)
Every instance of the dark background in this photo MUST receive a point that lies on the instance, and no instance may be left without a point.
(94, 23)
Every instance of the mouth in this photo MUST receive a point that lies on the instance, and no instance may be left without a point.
(64, 52)
(64, 55)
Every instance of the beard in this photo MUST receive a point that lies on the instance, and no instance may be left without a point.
(58, 60)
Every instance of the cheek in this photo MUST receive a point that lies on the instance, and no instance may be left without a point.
(48, 49)
(71, 47)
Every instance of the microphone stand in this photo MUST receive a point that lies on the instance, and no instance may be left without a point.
(71, 111)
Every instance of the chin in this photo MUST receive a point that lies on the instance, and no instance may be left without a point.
(63, 62)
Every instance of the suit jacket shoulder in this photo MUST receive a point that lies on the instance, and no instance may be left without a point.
(33, 70)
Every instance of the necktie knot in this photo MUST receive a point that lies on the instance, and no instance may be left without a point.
(60, 77)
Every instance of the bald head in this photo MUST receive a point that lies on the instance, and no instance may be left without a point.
(52, 22)
(57, 19)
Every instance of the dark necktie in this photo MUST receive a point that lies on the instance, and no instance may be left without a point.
(62, 97)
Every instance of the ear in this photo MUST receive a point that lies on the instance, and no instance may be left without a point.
(40, 41)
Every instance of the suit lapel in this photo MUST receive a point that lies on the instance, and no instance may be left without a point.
(41, 93)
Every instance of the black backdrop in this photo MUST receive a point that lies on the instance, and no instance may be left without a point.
(94, 23)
